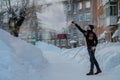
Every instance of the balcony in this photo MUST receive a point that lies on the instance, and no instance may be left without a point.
(110, 21)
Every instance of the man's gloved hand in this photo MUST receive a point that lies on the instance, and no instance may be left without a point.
(93, 48)
(73, 22)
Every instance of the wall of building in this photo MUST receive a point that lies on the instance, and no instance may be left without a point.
(107, 18)
(81, 12)
(100, 17)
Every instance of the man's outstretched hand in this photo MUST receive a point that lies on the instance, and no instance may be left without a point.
(73, 22)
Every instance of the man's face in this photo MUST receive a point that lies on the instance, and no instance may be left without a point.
(88, 28)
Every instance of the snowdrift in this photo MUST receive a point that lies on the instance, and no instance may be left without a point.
(73, 64)
(19, 60)
(108, 55)
(47, 47)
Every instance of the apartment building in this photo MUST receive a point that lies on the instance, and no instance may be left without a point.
(116, 35)
(80, 11)
(107, 17)
(110, 18)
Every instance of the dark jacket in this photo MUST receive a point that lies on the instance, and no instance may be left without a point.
(90, 37)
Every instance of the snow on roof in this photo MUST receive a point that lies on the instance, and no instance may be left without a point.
(102, 36)
(73, 41)
(118, 21)
(117, 33)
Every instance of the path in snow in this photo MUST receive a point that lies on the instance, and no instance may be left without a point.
(66, 64)
(65, 69)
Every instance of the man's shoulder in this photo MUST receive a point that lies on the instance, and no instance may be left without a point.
(94, 33)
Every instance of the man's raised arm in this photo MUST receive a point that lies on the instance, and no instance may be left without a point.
(83, 31)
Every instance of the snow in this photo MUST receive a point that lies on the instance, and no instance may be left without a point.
(73, 41)
(22, 61)
(102, 36)
(47, 47)
(19, 60)
(73, 64)
(117, 33)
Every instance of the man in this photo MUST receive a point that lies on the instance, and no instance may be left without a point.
(92, 42)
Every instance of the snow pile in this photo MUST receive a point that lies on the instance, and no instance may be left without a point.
(19, 60)
(73, 64)
(47, 47)
(108, 55)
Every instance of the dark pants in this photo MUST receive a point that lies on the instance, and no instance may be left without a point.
(93, 60)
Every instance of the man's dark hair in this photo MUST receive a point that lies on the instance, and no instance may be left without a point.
(91, 26)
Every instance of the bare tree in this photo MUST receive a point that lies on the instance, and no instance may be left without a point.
(16, 15)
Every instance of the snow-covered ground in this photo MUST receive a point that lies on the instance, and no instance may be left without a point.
(73, 64)
(22, 61)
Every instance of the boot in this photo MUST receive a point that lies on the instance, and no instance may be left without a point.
(90, 73)
(98, 71)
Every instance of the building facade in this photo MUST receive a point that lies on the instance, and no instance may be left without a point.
(116, 35)
(80, 11)
(110, 7)
(100, 17)
(107, 18)
(100, 21)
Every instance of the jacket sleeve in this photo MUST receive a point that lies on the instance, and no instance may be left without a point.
(95, 39)
(83, 31)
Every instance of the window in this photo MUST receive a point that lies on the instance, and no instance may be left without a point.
(111, 10)
(80, 6)
(87, 4)
(118, 9)
(6, 18)
(88, 16)
(3, 3)
(98, 21)
(69, 18)
(101, 20)
(100, 2)
(75, 18)
(69, 7)
(113, 0)
(75, 9)
(107, 11)
(81, 17)
(104, 2)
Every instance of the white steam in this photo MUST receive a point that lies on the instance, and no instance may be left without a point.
(53, 16)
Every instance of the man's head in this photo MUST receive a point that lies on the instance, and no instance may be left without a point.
(90, 27)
